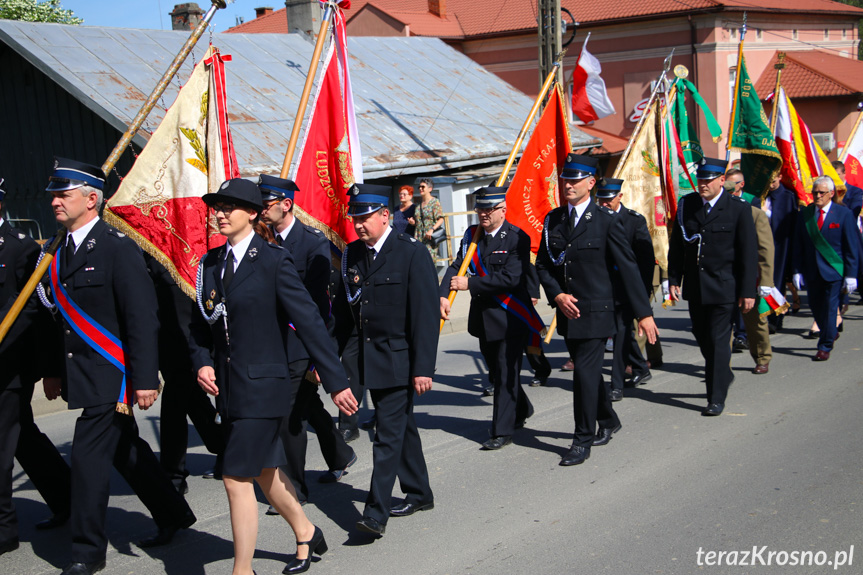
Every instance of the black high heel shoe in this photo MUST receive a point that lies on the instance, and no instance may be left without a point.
(317, 546)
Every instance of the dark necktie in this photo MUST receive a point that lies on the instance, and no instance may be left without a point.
(229, 270)
(706, 208)
(820, 218)
(70, 251)
(279, 239)
(573, 218)
(370, 256)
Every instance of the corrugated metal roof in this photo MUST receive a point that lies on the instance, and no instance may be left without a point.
(421, 105)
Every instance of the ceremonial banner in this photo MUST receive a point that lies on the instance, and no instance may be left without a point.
(330, 161)
(590, 99)
(673, 166)
(687, 136)
(749, 133)
(190, 154)
(852, 155)
(642, 190)
(533, 191)
(802, 157)
(774, 303)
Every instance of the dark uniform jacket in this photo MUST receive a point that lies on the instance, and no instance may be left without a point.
(506, 258)
(853, 199)
(841, 233)
(727, 267)
(396, 313)
(310, 251)
(175, 310)
(638, 236)
(251, 364)
(108, 280)
(592, 250)
(19, 350)
(783, 222)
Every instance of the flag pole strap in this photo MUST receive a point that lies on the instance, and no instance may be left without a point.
(160, 88)
(307, 89)
(109, 164)
(516, 148)
(666, 66)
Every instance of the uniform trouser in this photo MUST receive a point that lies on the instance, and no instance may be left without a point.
(591, 404)
(21, 438)
(738, 324)
(350, 361)
(104, 437)
(626, 347)
(711, 326)
(504, 364)
(397, 452)
(823, 299)
(539, 364)
(307, 408)
(758, 335)
(184, 397)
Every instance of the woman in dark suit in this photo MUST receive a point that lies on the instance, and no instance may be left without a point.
(249, 296)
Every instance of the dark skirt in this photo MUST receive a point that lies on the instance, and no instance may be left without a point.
(252, 445)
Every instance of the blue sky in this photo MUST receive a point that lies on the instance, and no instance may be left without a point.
(154, 13)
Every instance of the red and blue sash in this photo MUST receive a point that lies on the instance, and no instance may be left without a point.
(96, 336)
(524, 312)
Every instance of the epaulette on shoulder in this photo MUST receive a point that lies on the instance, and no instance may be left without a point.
(740, 199)
(313, 231)
(406, 238)
(608, 211)
(115, 232)
(272, 245)
(634, 213)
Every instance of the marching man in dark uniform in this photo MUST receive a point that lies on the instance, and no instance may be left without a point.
(609, 195)
(107, 313)
(499, 278)
(581, 245)
(310, 250)
(713, 253)
(826, 257)
(249, 297)
(19, 357)
(391, 290)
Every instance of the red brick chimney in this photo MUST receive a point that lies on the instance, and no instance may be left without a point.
(186, 16)
(438, 8)
(261, 12)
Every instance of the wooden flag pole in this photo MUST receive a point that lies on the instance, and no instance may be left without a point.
(110, 162)
(736, 88)
(516, 148)
(307, 89)
(775, 112)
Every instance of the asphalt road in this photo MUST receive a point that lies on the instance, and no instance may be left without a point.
(780, 472)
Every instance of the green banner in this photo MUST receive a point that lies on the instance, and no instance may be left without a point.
(689, 142)
(749, 133)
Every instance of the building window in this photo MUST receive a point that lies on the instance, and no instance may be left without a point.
(794, 34)
(758, 33)
(826, 34)
(733, 33)
(844, 34)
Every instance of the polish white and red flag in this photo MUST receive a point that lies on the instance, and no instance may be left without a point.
(590, 100)
(330, 159)
(191, 153)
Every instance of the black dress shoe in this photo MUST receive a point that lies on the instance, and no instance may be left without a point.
(713, 409)
(53, 522)
(317, 546)
(538, 381)
(83, 568)
(9, 545)
(406, 509)
(616, 395)
(496, 443)
(182, 487)
(488, 391)
(349, 434)
(640, 379)
(577, 454)
(334, 475)
(166, 534)
(813, 334)
(369, 423)
(604, 435)
(373, 526)
(216, 471)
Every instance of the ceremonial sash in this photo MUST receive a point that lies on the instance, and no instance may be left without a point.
(524, 312)
(821, 244)
(96, 336)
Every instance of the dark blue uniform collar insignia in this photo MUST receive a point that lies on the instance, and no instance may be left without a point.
(253, 253)
(91, 244)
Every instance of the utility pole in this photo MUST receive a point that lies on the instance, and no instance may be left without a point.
(550, 27)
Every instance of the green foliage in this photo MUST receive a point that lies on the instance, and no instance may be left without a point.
(35, 11)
